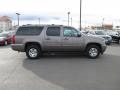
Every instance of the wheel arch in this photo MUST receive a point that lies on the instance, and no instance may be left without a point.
(97, 44)
(32, 43)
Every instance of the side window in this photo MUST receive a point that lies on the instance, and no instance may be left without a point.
(70, 32)
(29, 31)
(53, 31)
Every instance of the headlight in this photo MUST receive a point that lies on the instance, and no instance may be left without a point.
(103, 39)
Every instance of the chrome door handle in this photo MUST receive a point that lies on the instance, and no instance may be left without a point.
(47, 38)
(66, 39)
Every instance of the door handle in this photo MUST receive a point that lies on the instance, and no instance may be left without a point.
(47, 38)
(66, 39)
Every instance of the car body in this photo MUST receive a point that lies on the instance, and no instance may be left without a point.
(35, 39)
(115, 35)
(7, 37)
(102, 34)
(3, 41)
(118, 31)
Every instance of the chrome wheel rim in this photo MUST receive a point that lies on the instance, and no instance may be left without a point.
(33, 52)
(93, 52)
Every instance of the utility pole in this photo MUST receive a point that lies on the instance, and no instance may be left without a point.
(80, 13)
(71, 21)
(103, 23)
(39, 20)
(68, 17)
(18, 17)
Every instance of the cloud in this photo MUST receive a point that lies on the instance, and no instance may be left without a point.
(27, 17)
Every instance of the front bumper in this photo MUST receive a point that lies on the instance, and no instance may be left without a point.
(103, 49)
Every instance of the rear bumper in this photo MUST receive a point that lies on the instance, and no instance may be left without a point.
(18, 47)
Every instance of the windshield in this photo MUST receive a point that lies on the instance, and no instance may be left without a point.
(100, 33)
(3, 35)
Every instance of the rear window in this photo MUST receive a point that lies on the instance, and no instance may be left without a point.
(29, 31)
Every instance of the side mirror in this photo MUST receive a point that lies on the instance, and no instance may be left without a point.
(79, 35)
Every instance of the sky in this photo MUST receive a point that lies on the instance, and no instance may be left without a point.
(94, 12)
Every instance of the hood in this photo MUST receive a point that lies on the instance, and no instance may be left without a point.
(94, 39)
(102, 36)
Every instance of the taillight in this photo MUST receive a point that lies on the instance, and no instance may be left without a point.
(13, 39)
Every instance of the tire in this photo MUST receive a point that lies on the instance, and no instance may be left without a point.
(33, 51)
(93, 51)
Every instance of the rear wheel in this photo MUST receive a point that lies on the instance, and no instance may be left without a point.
(33, 51)
(93, 51)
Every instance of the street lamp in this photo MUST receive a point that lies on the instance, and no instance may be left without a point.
(68, 17)
(18, 17)
(80, 13)
(39, 20)
(71, 21)
(103, 23)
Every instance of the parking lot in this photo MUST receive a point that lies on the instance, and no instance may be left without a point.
(60, 72)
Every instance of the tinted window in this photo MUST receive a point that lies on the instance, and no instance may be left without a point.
(53, 31)
(29, 30)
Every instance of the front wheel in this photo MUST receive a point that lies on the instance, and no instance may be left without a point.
(93, 51)
(33, 51)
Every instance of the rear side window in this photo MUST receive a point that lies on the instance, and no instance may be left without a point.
(29, 31)
(53, 31)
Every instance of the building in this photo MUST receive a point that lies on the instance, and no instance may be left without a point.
(107, 26)
(5, 23)
(103, 27)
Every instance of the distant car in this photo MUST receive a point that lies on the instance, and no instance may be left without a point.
(102, 34)
(84, 32)
(114, 34)
(118, 31)
(3, 41)
(5, 38)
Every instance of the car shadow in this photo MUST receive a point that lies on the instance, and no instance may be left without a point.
(73, 72)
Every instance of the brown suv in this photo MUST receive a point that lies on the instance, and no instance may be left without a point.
(35, 40)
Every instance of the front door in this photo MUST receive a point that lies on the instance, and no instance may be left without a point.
(71, 41)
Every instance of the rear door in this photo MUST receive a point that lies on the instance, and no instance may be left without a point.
(52, 40)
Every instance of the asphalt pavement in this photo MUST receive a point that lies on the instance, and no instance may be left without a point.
(60, 72)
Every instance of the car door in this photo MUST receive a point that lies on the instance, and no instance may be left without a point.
(52, 40)
(71, 40)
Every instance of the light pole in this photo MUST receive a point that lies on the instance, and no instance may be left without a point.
(39, 20)
(18, 17)
(103, 23)
(68, 17)
(80, 13)
(71, 21)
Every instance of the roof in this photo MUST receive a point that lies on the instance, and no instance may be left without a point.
(5, 19)
(41, 25)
